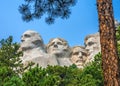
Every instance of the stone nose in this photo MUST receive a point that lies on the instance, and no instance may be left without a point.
(87, 47)
(22, 39)
(55, 45)
(80, 55)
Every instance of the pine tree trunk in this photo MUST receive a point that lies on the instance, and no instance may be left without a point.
(108, 43)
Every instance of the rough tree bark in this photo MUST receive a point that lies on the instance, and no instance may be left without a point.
(108, 43)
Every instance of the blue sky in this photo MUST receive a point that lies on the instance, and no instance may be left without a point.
(83, 21)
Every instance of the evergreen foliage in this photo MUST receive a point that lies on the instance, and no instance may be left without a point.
(9, 55)
(91, 75)
(10, 63)
(14, 81)
(52, 8)
(118, 39)
(52, 76)
(94, 69)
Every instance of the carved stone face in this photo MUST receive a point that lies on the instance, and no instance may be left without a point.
(92, 43)
(31, 39)
(78, 55)
(57, 46)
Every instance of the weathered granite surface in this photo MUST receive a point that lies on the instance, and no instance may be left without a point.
(33, 49)
(57, 51)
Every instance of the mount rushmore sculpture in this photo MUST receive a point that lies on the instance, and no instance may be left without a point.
(57, 51)
(34, 50)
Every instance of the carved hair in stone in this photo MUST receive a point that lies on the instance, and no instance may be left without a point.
(92, 44)
(78, 56)
(59, 48)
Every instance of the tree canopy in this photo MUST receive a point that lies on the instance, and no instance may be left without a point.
(35, 9)
(91, 75)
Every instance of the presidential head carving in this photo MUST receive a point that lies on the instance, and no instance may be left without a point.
(92, 42)
(31, 39)
(58, 46)
(79, 55)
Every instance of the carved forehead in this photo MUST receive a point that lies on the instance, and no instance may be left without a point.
(30, 32)
(58, 39)
(64, 42)
(94, 36)
(91, 40)
(78, 48)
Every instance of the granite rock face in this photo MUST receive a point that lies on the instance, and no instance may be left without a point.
(57, 51)
(117, 23)
(34, 51)
(79, 56)
(92, 45)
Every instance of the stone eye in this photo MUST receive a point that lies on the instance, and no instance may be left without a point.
(26, 35)
(75, 53)
(77, 61)
(90, 43)
(84, 54)
(59, 43)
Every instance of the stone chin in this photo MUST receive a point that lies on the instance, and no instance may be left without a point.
(57, 52)
(27, 46)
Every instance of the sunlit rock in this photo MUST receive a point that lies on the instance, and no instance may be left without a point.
(34, 51)
(92, 45)
(79, 56)
(60, 49)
